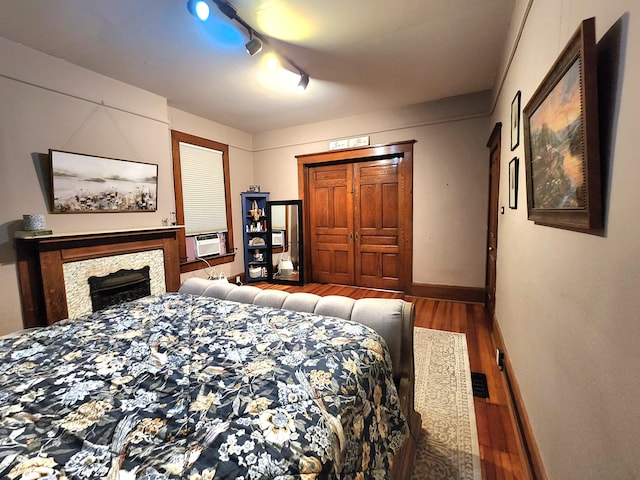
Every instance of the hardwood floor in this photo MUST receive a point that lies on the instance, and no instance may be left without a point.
(500, 451)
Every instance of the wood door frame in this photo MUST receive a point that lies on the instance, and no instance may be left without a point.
(494, 144)
(405, 191)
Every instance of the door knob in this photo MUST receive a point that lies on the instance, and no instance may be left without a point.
(491, 249)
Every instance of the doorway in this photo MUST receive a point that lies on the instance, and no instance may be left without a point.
(358, 215)
(493, 144)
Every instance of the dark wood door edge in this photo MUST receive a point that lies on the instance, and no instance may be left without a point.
(494, 145)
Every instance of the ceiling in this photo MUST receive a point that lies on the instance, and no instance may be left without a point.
(362, 55)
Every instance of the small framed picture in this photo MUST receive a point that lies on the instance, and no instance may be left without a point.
(515, 121)
(254, 188)
(513, 183)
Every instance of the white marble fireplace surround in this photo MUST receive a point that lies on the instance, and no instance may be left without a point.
(76, 276)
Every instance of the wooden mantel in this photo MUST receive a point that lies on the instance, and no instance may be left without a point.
(40, 261)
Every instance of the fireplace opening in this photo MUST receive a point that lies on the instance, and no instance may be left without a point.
(119, 287)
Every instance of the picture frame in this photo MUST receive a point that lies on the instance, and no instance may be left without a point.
(91, 184)
(562, 156)
(513, 183)
(515, 121)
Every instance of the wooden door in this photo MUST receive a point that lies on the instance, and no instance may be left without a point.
(376, 223)
(492, 228)
(331, 220)
(358, 215)
(355, 223)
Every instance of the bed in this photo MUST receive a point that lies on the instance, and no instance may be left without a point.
(215, 381)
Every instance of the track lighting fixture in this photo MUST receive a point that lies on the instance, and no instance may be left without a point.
(254, 45)
(200, 9)
(304, 81)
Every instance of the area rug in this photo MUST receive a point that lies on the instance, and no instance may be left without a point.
(448, 449)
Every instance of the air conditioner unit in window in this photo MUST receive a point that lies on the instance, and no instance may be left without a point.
(277, 238)
(208, 244)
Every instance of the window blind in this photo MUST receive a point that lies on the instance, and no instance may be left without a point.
(203, 190)
(278, 216)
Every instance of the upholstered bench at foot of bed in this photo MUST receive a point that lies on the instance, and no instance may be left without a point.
(387, 316)
(391, 318)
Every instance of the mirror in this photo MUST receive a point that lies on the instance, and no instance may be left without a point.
(285, 253)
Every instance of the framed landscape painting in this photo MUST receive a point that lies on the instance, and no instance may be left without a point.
(561, 140)
(87, 184)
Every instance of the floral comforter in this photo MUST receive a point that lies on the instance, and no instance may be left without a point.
(180, 386)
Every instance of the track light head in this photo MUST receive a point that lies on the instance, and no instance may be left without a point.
(304, 81)
(199, 9)
(253, 46)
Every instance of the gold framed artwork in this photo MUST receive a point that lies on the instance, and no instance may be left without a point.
(561, 140)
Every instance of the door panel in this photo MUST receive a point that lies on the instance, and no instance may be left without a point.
(390, 266)
(390, 202)
(376, 224)
(368, 206)
(343, 264)
(331, 222)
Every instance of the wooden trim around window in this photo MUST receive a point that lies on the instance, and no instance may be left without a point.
(194, 265)
(176, 138)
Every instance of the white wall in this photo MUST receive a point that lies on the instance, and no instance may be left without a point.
(451, 165)
(49, 103)
(568, 303)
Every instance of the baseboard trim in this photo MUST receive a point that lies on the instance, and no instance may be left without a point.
(527, 442)
(449, 292)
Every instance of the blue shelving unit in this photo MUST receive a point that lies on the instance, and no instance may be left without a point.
(256, 241)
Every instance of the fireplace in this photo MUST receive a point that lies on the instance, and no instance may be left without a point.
(54, 270)
(77, 275)
(119, 287)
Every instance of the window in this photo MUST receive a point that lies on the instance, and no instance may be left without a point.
(203, 195)
(201, 183)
